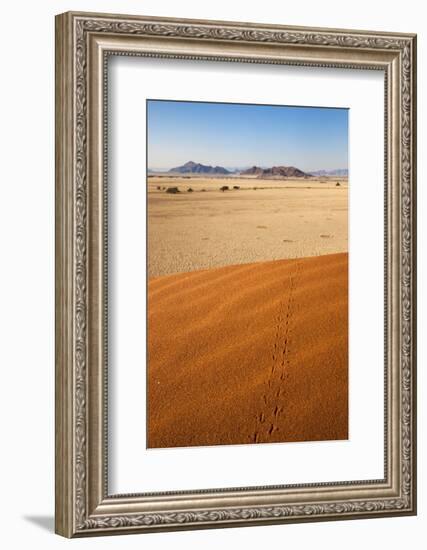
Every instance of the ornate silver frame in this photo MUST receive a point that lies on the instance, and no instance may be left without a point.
(83, 42)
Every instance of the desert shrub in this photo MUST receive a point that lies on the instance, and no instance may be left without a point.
(172, 190)
(236, 187)
(158, 188)
(338, 184)
(189, 190)
(224, 188)
(203, 190)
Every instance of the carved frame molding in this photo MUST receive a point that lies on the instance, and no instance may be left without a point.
(83, 43)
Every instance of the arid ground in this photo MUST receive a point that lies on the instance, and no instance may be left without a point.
(212, 228)
(247, 311)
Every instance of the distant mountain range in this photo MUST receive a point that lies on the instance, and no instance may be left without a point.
(192, 167)
(197, 168)
(340, 172)
(275, 171)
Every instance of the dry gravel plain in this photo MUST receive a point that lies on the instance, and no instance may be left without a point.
(279, 219)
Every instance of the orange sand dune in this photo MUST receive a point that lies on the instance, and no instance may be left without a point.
(254, 353)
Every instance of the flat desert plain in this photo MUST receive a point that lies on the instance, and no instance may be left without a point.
(263, 220)
(247, 311)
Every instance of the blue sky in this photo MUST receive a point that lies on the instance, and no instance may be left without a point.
(238, 135)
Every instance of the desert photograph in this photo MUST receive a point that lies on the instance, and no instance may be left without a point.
(247, 268)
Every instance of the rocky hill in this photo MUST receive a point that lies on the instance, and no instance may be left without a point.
(274, 171)
(197, 168)
(254, 171)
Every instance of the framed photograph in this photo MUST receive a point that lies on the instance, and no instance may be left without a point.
(235, 274)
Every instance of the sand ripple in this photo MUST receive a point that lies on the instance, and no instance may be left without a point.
(253, 353)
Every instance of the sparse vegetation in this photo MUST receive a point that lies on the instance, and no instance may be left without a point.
(224, 188)
(173, 190)
(338, 184)
(158, 188)
(236, 186)
(189, 190)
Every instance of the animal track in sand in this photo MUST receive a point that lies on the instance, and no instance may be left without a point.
(272, 429)
(275, 389)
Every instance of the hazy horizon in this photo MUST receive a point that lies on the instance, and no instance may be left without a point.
(237, 136)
